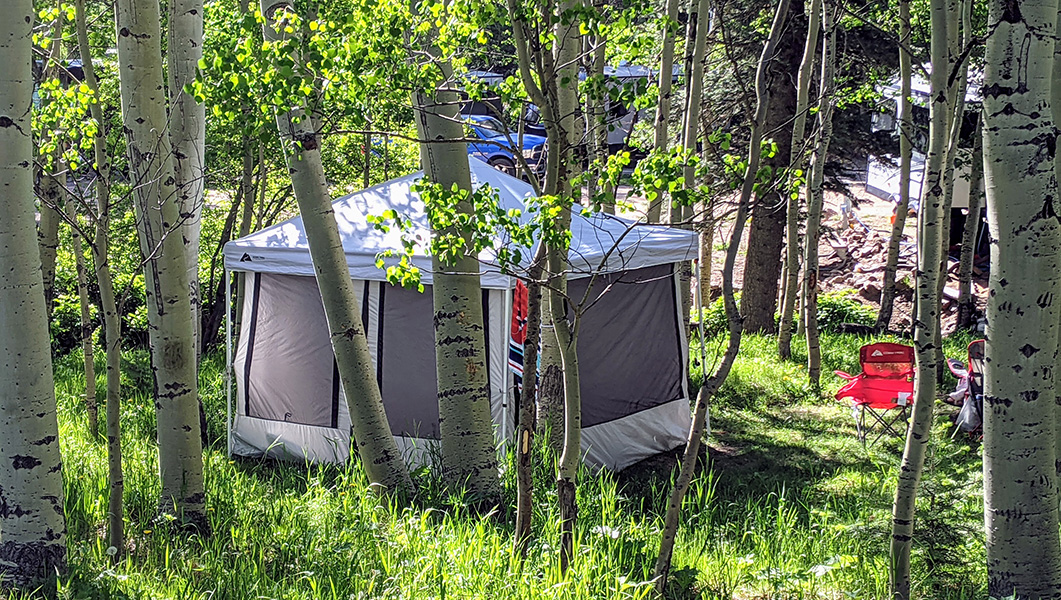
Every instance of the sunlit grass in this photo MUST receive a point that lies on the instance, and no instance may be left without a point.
(792, 507)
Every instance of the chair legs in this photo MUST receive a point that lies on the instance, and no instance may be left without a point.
(880, 422)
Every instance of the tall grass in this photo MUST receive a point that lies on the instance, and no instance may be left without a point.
(791, 506)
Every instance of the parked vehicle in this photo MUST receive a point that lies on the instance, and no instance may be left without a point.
(497, 148)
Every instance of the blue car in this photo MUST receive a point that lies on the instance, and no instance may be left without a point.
(499, 143)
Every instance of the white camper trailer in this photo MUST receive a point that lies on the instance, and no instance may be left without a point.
(288, 400)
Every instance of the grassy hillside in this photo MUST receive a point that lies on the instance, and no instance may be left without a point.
(790, 506)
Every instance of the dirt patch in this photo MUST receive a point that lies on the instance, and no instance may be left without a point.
(852, 254)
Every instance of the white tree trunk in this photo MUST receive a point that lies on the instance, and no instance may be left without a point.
(733, 316)
(187, 132)
(469, 460)
(929, 247)
(798, 160)
(959, 11)
(566, 58)
(815, 194)
(379, 454)
(1020, 445)
(48, 233)
(84, 303)
(108, 302)
(32, 542)
(906, 130)
(50, 189)
(666, 69)
(970, 234)
(169, 308)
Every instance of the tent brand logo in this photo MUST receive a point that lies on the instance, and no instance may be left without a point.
(880, 353)
(245, 258)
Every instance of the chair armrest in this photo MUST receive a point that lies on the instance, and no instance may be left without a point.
(957, 367)
(843, 375)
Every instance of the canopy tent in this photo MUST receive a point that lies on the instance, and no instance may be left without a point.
(632, 348)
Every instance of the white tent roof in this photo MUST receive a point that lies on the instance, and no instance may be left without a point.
(283, 248)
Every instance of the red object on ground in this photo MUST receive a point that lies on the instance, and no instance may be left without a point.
(885, 383)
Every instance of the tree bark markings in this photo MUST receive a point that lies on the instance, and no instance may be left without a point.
(465, 423)
(1020, 410)
(33, 546)
(170, 314)
(928, 270)
(187, 130)
(372, 436)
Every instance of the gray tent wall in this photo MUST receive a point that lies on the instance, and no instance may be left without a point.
(632, 347)
(289, 402)
(633, 359)
(290, 405)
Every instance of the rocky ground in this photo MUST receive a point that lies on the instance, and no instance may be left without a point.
(852, 255)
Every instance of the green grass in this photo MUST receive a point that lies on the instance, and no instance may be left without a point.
(792, 506)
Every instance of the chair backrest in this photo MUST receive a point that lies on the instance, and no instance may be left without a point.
(887, 359)
(977, 357)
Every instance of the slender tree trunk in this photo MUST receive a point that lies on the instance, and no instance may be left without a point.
(906, 125)
(596, 116)
(566, 334)
(1020, 393)
(696, 429)
(929, 246)
(466, 427)
(798, 155)
(108, 302)
(958, 11)
(170, 313)
(566, 59)
(699, 24)
(33, 546)
(380, 458)
(534, 57)
(666, 77)
(245, 223)
(48, 233)
(766, 230)
(91, 407)
(970, 234)
(525, 430)
(815, 193)
(187, 130)
(550, 416)
(50, 186)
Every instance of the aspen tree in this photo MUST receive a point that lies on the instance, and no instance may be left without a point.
(108, 301)
(815, 193)
(371, 432)
(50, 186)
(906, 148)
(171, 327)
(971, 233)
(733, 316)
(930, 219)
(958, 11)
(1020, 393)
(187, 132)
(790, 270)
(662, 119)
(85, 306)
(33, 538)
(465, 424)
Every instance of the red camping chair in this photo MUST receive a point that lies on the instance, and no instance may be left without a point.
(885, 384)
(969, 394)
